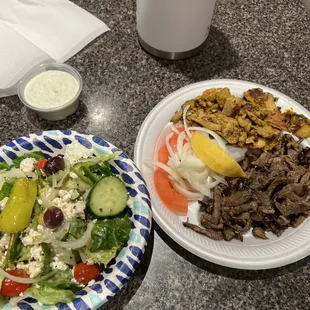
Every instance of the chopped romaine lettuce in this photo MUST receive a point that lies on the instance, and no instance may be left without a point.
(58, 288)
(99, 257)
(90, 172)
(6, 190)
(48, 295)
(36, 155)
(15, 248)
(47, 258)
(4, 166)
(110, 233)
(77, 228)
(25, 254)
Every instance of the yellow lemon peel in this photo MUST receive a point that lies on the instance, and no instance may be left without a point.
(215, 157)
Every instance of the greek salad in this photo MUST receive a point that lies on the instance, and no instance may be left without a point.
(62, 220)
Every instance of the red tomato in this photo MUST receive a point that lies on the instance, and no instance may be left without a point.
(41, 163)
(11, 288)
(83, 273)
(163, 154)
(173, 200)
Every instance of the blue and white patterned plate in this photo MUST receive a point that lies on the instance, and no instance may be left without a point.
(111, 280)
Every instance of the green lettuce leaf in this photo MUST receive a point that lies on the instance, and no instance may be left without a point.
(6, 190)
(90, 172)
(76, 229)
(15, 248)
(110, 233)
(62, 279)
(36, 155)
(48, 295)
(4, 166)
(47, 258)
(25, 254)
(99, 257)
(3, 300)
(58, 288)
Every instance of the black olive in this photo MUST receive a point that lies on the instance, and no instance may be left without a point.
(53, 217)
(53, 165)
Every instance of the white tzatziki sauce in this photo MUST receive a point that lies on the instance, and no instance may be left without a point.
(51, 89)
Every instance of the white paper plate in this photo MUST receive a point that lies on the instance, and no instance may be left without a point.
(293, 245)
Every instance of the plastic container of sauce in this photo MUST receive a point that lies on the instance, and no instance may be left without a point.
(52, 90)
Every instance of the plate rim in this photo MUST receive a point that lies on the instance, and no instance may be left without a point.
(184, 241)
(58, 134)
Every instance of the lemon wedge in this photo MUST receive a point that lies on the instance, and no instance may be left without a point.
(215, 157)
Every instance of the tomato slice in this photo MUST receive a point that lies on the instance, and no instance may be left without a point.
(11, 288)
(163, 154)
(83, 273)
(173, 200)
(41, 163)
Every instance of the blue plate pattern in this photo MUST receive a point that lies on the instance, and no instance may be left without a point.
(111, 280)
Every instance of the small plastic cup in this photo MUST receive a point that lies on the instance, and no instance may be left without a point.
(56, 113)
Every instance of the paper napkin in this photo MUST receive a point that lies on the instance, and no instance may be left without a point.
(35, 31)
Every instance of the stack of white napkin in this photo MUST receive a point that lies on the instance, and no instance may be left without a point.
(35, 31)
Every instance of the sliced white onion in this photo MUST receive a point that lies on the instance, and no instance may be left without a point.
(46, 203)
(168, 170)
(189, 195)
(25, 280)
(180, 142)
(54, 180)
(13, 173)
(218, 178)
(185, 150)
(53, 194)
(85, 160)
(174, 129)
(65, 255)
(192, 163)
(185, 122)
(220, 141)
(79, 243)
(60, 232)
(66, 171)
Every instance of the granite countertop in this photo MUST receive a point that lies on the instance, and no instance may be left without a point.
(255, 40)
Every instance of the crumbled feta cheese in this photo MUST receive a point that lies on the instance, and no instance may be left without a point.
(2, 258)
(36, 253)
(33, 268)
(3, 203)
(76, 151)
(31, 236)
(39, 201)
(21, 294)
(90, 283)
(58, 264)
(4, 242)
(27, 165)
(70, 208)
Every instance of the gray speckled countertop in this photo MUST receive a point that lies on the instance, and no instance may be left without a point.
(263, 41)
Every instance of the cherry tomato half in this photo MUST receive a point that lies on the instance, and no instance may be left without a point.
(11, 288)
(83, 273)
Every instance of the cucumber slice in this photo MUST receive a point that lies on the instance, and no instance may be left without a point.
(108, 197)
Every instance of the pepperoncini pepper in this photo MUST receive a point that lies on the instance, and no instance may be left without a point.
(16, 214)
